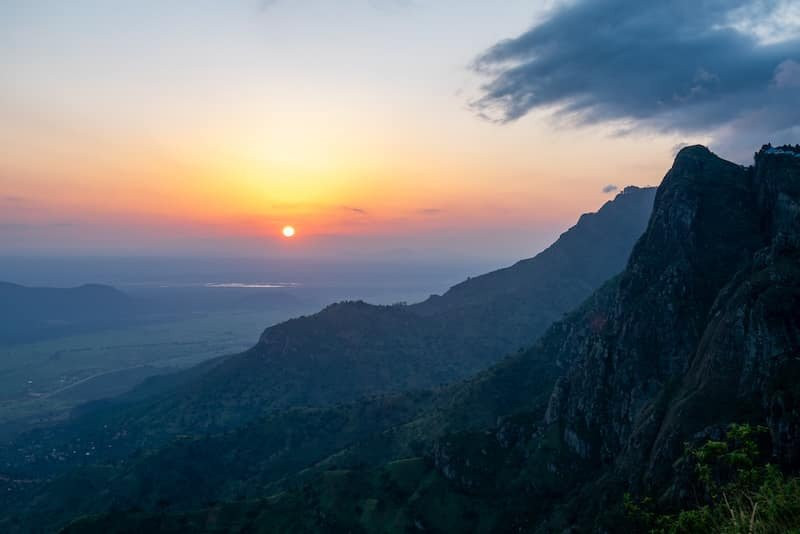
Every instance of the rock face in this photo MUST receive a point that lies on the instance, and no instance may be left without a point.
(704, 328)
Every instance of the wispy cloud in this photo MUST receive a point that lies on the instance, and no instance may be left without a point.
(610, 188)
(352, 209)
(429, 211)
(678, 147)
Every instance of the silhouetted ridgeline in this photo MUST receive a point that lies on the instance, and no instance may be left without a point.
(28, 313)
(701, 330)
(343, 353)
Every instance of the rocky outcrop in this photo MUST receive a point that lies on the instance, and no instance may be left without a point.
(704, 328)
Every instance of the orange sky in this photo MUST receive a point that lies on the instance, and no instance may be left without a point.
(219, 125)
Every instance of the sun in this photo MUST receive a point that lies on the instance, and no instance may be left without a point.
(288, 231)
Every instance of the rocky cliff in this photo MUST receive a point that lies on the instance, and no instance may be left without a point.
(701, 330)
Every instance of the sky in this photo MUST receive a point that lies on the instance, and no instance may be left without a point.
(377, 128)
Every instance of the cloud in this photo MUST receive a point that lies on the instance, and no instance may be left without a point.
(610, 188)
(687, 66)
(360, 211)
(677, 148)
(429, 211)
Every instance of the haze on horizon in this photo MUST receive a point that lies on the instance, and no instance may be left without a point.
(419, 127)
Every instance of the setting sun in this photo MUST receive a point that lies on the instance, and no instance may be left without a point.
(288, 231)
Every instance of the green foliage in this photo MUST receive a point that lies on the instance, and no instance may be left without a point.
(743, 495)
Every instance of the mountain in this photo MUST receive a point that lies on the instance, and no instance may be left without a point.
(352, 349)
(699, 332)
(513, 306)
(28, 313)
(344, 353)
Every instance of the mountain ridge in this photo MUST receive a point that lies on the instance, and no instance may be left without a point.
(32, 312)
(346, 345)
(351, 340)
(701, 330)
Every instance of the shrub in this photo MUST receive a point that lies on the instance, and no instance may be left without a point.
(742, 493)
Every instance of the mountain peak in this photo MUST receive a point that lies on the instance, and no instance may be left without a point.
(694, 151)
(697, 294)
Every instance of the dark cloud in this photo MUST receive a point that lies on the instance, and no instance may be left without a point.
(610, 188)
(429, 211)
(360, 211)
(694, 66)
(13, 199)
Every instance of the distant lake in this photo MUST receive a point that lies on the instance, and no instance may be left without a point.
(258, 285)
